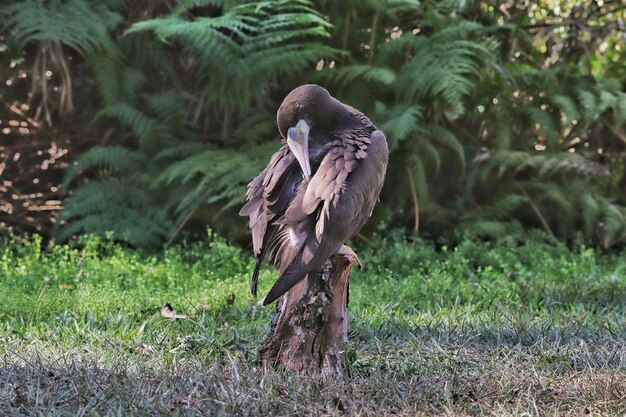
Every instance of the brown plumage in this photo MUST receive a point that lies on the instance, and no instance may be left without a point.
(318, 189)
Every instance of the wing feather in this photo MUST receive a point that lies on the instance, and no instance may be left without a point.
(340, 197)
(269, 195)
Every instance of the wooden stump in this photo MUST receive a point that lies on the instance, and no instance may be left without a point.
(310, 327)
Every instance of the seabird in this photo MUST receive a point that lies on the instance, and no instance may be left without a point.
(318, 189)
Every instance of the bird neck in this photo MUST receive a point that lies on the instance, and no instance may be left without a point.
(359, 127)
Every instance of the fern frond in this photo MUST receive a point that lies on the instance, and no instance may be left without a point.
(589, 104)
(560, 201)
(214, 176)
(250, 44)
(567, 106)
(492, 229)
(590, 210)
(180, 151)
(545, 124)
(542, 165)
(503, 208)
(614, 219)
(447, 139)
(143, 126)
(184, 6)
(502, 132)
(110, 205)
(384, 76)
(429, 153)
(398, 122)
(107, 69)
(444, 65)
(116, 159)
(80, 24)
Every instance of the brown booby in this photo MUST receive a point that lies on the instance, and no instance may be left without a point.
(318, 190)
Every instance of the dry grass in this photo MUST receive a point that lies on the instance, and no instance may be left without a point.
(480, 371)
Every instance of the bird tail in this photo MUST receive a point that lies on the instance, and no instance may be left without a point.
(295, 272)
(255, 276)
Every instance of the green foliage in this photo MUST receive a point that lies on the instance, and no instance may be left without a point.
(444, 65)
(250, 44)
(110, 159)
(147, 191)
(82, 25)
(445, 91)
(115, 208)
(425, 322)
(497, 118)
(209, 176)
(100, 276)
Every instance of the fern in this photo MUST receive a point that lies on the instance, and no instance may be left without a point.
(112, 159)
(502, 131)
(107, 70)
(558, 200)
(491, 229)
(111, 206)
(82, 25)
(542, 165)
(590, 206)
(209, 174)
(429, 153)
(446, 139)
(503, 209)
(567, 106)
(369, 73)
(142, 125)
(546, 125)
(187, 96)
(398, 122)
(251, 44)
(613, 219)
(247, 41)
(444, 65)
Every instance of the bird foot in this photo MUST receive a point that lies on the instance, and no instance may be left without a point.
(347, 252)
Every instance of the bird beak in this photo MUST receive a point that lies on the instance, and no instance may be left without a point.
(298, 141)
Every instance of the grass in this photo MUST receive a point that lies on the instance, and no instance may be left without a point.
(520, 326)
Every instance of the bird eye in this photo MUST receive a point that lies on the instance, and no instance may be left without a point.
(291, 133)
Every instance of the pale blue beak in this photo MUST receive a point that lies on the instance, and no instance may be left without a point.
(298, 142)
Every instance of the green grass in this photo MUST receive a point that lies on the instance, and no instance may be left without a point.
(522, 325)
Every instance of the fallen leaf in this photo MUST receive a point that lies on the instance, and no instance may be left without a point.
(169, 313)
(145, 349)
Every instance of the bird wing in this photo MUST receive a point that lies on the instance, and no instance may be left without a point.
(268, 196)
(336, 203)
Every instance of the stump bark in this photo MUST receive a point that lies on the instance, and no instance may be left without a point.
(310, 326)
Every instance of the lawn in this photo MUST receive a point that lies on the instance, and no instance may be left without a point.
(522, 325)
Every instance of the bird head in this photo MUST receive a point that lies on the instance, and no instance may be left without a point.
(308, 113)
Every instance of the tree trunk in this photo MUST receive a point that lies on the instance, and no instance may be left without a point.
(310, 327)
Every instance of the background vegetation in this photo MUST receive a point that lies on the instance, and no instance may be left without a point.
(519, 326)
(145, 118)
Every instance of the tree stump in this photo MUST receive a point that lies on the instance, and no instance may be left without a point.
(310, 327)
